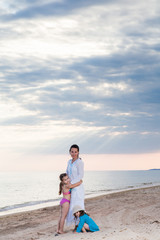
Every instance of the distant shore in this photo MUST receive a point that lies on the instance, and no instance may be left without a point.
(128, 215)
(154, 169)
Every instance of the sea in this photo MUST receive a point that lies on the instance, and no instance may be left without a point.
(25, 191)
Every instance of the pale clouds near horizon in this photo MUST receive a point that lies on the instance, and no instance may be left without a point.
(84, 72)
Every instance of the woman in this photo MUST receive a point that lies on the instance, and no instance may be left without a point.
(75, 171)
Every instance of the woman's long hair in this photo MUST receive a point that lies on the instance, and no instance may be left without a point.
(61, 176)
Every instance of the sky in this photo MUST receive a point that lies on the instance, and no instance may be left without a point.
(84, 72)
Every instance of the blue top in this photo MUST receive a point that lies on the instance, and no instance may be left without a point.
(87, 219)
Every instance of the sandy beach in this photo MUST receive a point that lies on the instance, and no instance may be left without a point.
(127, 215)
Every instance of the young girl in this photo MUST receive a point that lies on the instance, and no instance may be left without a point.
(86, 223)
(65, 187)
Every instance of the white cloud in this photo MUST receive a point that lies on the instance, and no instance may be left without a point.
(109, 89)
(11, 109)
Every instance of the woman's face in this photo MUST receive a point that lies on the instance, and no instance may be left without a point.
(74, 153)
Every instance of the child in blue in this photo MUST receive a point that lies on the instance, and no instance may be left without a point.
(86, 223)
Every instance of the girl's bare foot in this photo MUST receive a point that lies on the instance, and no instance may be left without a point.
(59, 232)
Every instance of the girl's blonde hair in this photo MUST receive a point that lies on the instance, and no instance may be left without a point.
(61, 176)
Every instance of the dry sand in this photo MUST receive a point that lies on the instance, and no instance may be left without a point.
(128, 215)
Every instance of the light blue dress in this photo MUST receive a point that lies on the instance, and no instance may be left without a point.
(93, 227)
(75, 172)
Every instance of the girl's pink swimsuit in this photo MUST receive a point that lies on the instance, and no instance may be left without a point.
(64, 199)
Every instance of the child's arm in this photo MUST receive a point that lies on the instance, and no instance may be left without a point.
(75, 184)
(81, 224)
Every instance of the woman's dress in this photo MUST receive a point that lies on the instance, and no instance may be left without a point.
(75, 172)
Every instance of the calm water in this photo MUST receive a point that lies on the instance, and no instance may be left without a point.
(27, 191)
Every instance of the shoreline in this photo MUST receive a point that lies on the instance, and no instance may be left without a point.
(54, 203)
(129, 215)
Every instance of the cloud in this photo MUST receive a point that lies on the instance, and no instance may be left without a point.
(111, 92)
(51, 8)
(91, 77)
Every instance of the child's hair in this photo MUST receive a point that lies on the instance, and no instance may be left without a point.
(82, 212)
(61, 176)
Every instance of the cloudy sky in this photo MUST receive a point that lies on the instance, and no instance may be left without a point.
(84, 72)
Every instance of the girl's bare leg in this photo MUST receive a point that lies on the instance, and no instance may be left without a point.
(58, 223)
(64, 211)
(85, 227)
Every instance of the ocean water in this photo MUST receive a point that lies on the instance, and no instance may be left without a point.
(32, 190)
